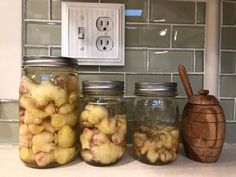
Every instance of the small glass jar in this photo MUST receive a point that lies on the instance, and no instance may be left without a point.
(49, 122)
(103, 122)
(155, 131)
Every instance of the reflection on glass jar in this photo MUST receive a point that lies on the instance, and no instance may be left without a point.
(103, 122)
(156, 132)
(49, 92)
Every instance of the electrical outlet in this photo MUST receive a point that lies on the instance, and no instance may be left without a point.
(104, 24)
(94, 33)
(104, 43)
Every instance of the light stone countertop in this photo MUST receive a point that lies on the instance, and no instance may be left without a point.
(11, 166)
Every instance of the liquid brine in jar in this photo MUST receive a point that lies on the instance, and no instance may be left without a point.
(155, 129)
(103, 123)
(49, 102)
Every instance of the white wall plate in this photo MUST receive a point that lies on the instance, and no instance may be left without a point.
(94, 33)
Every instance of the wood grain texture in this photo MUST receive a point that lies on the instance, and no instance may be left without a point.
(202, 154)
(203, 132)
(204, 109)
(200, 142)
(185, 80)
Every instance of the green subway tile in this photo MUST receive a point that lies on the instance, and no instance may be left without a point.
(201, 12)
(147, 36)
(135, 61)
(228, 62)
(56, 51)
(129, 108)
(56, 9)
(103, 77)
(230, 133)
(195, 80)
(136, 10)
(88, 68)
(168, 61)
(172, 11)
(9, 110)
(227, 86)
(199, 59)
(35, 9)
(228, 107)
(43, 34)
(229, 13)
(35, 51)
(188, 37)
(80, 0)
(229, 38)
(8, 133)
(131, 79)
(129, 132)
(181, 103)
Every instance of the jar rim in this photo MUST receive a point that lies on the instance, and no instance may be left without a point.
(49, 61)
(156, 88)
(102, 87)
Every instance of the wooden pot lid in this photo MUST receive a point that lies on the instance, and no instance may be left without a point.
(202, 98)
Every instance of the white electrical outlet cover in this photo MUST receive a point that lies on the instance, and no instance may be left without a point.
(94, 33)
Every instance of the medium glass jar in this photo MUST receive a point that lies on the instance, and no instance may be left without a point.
(103, 122)
(48, 112)
(155, 130)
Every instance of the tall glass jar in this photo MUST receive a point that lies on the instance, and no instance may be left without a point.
(155, 132)
(48, 112)
(103, 123)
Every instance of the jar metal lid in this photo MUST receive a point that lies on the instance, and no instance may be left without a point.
(49, 61)
(102, 87)
(159, 89)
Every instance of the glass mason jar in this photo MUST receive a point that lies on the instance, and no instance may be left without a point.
(49, 117)
(103, 122)
(155, 131)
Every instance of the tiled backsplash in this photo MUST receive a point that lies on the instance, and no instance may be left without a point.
(166, 34)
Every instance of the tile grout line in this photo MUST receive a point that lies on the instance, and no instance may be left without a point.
(125, 85)
(165, 24)
(220, 40)
(195, 14)
(136, 73)
(147, 60)
(134, 48)
(234, 113)
(49, 51)
(171, 36)
(148, 11)
(49, 10)
(194, 61)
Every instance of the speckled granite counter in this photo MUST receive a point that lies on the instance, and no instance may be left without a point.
(11, 166)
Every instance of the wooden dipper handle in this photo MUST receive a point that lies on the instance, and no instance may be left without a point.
(185, 80)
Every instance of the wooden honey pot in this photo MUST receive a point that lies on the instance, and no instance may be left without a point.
(203, 124)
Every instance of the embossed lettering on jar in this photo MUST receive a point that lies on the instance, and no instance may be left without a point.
(155, 132)
(48, 113)
(103, 122)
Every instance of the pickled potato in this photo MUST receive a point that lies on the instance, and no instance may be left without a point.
(66, 136)
(64, 155)
(156, 143)
(49, 118)
(27, 155)
(103, 137)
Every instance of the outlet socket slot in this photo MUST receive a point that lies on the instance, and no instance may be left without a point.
(104, 43)
(104, 24)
